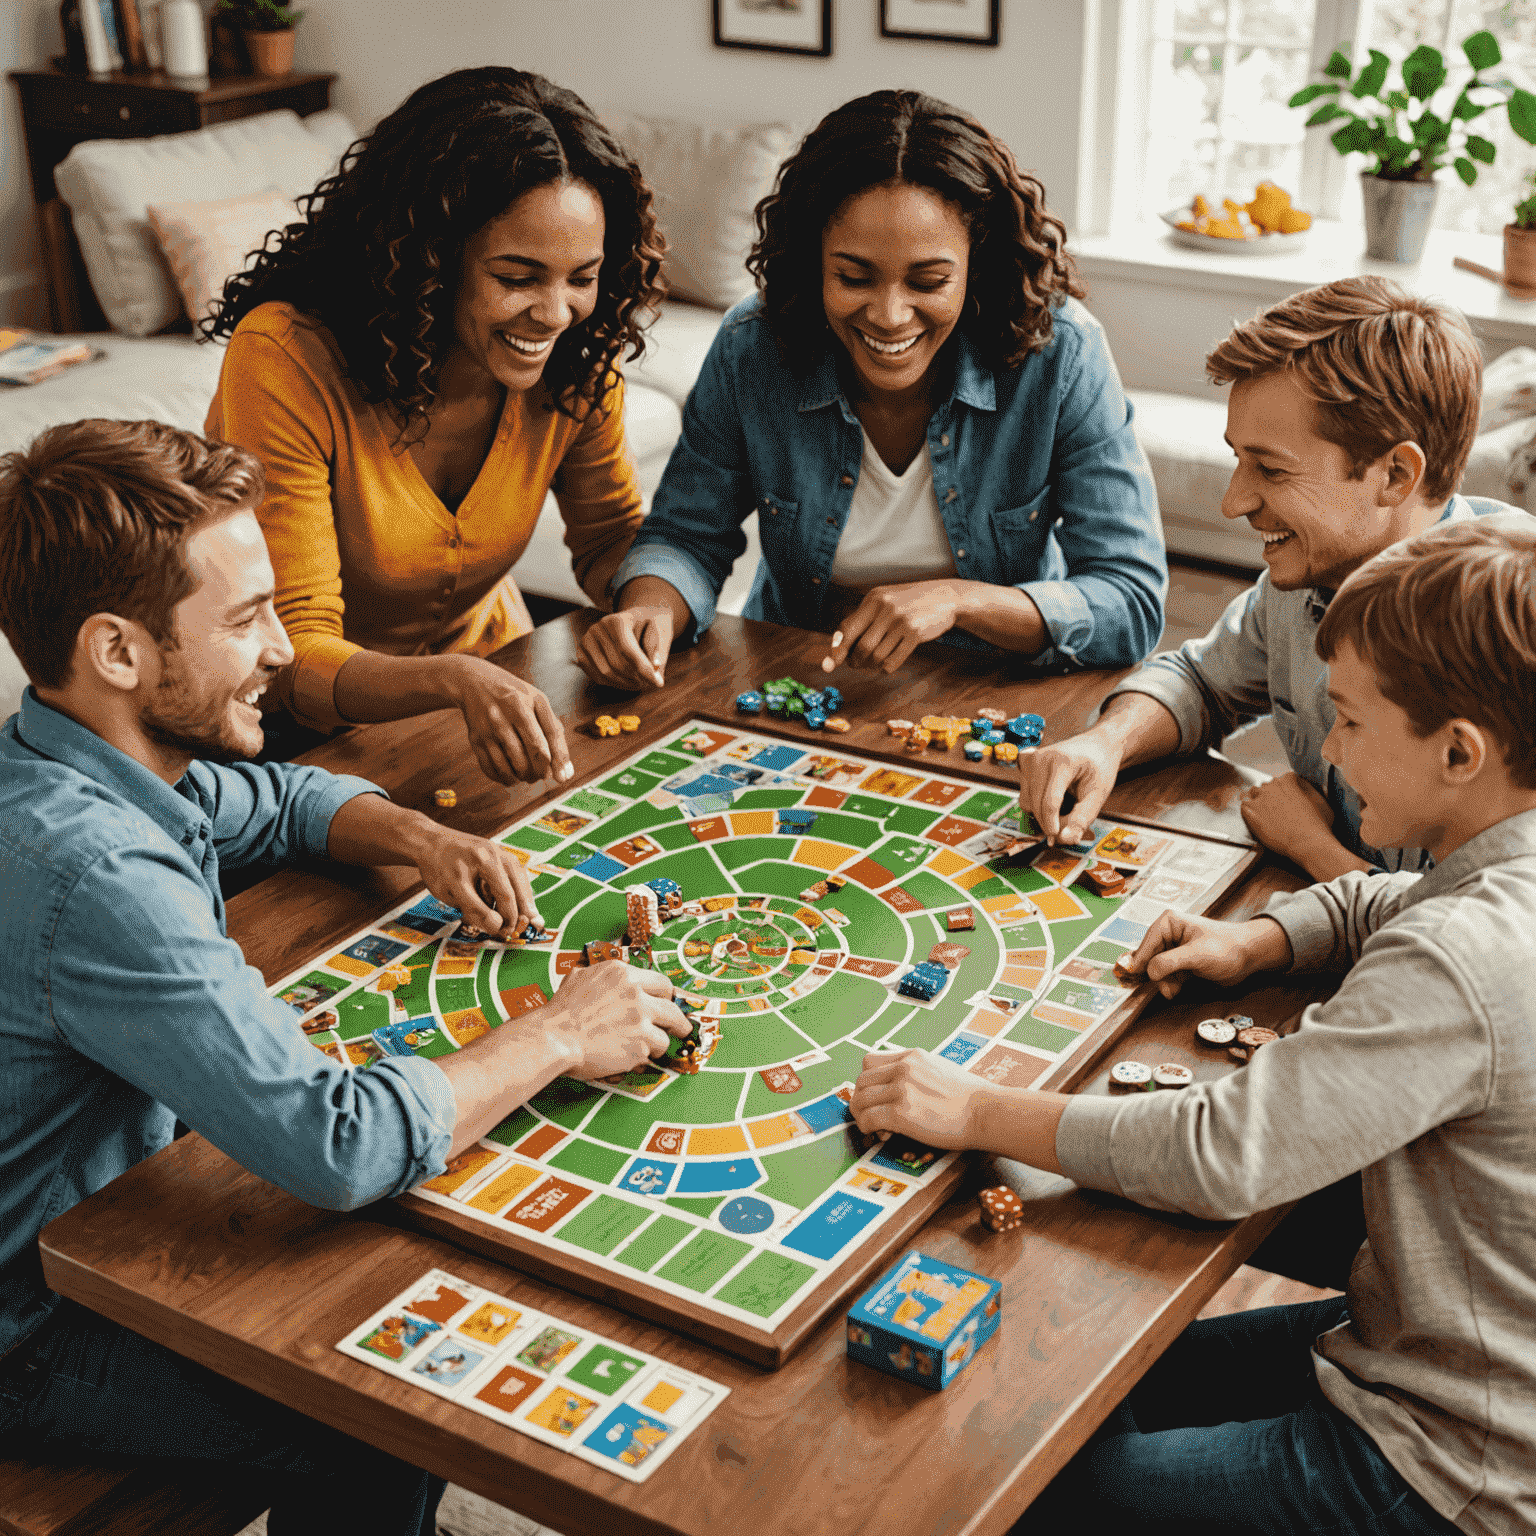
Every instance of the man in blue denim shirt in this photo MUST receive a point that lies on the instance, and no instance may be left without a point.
(1352, 413)
(136, 590)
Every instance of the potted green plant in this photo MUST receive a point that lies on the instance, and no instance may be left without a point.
(1412, 128)
(1520, 241)
(267, 26)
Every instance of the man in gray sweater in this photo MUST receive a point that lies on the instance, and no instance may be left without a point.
(1408, 1407)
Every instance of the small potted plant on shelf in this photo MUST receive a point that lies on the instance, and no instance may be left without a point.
(267, 26)
(1520, 241)
(1412, 128)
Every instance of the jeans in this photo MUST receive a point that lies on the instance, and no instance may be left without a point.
(1229, 1435)
(82, 1385)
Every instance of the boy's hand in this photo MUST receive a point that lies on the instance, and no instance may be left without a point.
(1291, 817)
(611, 1018)
(1178, 945)
(918, 1095)
(471, 873)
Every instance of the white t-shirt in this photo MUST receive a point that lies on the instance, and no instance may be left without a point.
(894, 531)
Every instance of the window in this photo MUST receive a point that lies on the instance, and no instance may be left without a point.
(1219, 72)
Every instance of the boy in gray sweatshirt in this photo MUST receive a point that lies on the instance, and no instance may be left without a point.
(1409, 1406)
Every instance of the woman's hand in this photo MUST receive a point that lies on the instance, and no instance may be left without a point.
(514, 732)
(629, 649)
(891, 622)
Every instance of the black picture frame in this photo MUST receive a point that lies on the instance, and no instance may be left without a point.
(994, 31)
(821, 49)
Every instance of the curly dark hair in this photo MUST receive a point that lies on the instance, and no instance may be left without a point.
(377, 255)
(1019, 268)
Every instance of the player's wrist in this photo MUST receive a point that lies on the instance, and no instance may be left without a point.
(1264, 946)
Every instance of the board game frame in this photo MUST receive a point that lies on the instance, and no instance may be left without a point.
(767, 1345)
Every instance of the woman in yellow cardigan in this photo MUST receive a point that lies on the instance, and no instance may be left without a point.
(416, 364)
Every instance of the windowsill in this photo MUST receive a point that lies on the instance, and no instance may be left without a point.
(1146, 254)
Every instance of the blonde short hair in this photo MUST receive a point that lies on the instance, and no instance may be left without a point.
(1447, 622)
(1382, 366)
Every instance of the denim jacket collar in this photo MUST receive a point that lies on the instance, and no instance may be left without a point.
(973, 383)
(54, 735)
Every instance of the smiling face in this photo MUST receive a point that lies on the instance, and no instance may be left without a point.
(893, 282)
(526, 278)
(1405, 801)
(229, 644)
(1294, 487)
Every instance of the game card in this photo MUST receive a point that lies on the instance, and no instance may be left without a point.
(606, 1403)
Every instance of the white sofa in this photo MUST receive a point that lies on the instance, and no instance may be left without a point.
(707, 181)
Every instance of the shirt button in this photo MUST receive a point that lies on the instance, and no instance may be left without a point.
(773, 511)
(847, 480)
(815, 581)
(831, 522)
(944, 440)
(1033, 515)
(959, 554)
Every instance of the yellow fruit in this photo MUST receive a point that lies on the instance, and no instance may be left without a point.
(1224, 229)
(1199, 208)
(1293, 221)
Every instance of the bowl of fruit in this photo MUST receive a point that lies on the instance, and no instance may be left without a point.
(1268, 225)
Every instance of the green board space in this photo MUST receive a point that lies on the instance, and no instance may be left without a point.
(566, 1101)
(765, 1284)
(521, 968)
(752, 1040)
(838, 1007)
(1019, 877)
(543, 882)
(928, 1028)
(883, 1023)
(518, 1124)
(655, 1241)
(799, 1175)
(438, 1045)
(589, 1161)
(603, 917)
(695, 870)
(456, 992)
(360, 1013)
(603, 1225)
(631, 784)
(873, 930)
(638, 818)
(1043, 1036)
(533, 839)
(1068, 935)
(665, 763)
(416, 994)
(989, 890)
(700, 1206)
(915, 819)
(772, 877)
(486, 987)
(592, 803)
(736, 852)
(704, 1262)
(817, 1078)
(678, 836)
(573, 854)
(1103, 951)
(928, 890)
(835, 827)
(711, 1098)
(982, 804)
(570, 893)
(1024, 936)
(767, 799)
(901, 854)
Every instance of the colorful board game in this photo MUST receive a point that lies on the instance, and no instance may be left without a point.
(608, 1403)
(896, 905)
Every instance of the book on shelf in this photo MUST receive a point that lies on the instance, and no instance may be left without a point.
(29, 358)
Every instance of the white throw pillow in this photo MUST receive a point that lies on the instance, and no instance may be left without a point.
(110, 183)
(707, 181)
(207, 243)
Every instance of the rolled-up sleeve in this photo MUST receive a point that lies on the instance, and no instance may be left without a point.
(142, 981)
(693, 535)
(1108, 611)
(1213, 685)
(271, 813)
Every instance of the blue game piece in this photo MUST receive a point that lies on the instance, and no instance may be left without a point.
(1026, 730)
(994, 738)
(664, 888)
(924, 981)
(778, 705)
(812, 698)
(973, 751)
(831, 700)
(815, 719)
(750, 703)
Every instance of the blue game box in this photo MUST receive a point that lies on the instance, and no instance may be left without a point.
(924, 1320)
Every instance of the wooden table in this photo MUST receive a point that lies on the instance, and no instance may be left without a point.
(190, 1250)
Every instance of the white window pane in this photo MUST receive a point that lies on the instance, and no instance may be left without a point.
(1200, 16)
(1275, 20)
(1397, 29)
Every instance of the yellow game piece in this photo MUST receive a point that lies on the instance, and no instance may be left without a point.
(1005, 752)
(918, 738)
(934, 722)
(836, 723)
(899, 727)
(606, 725)
(446, 798)
(629, 722)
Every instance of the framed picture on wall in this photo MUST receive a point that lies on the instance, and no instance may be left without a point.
(942, 21)
(775, 26)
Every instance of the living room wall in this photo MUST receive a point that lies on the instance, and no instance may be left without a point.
(656, 56)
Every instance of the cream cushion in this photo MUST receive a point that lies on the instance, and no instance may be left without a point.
(110, 183)
(207, 243)
(707, 181)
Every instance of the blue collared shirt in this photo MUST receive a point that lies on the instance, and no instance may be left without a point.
(126, 1005)
(1261, 659)
(1040, 482)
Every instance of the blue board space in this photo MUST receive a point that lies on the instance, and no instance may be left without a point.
(831, 1226)
(714, 1178)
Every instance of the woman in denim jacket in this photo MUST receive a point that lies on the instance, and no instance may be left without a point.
(925, 419)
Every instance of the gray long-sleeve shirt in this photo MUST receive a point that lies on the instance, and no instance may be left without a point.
(1421, 1071)
(1261, 659)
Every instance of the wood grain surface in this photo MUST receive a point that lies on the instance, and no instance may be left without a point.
(190, 1250)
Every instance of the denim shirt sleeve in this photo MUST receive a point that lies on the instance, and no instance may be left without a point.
(693, 536)
(1213, 685)
(1108, 612)
(272, 813)
(141, 980)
